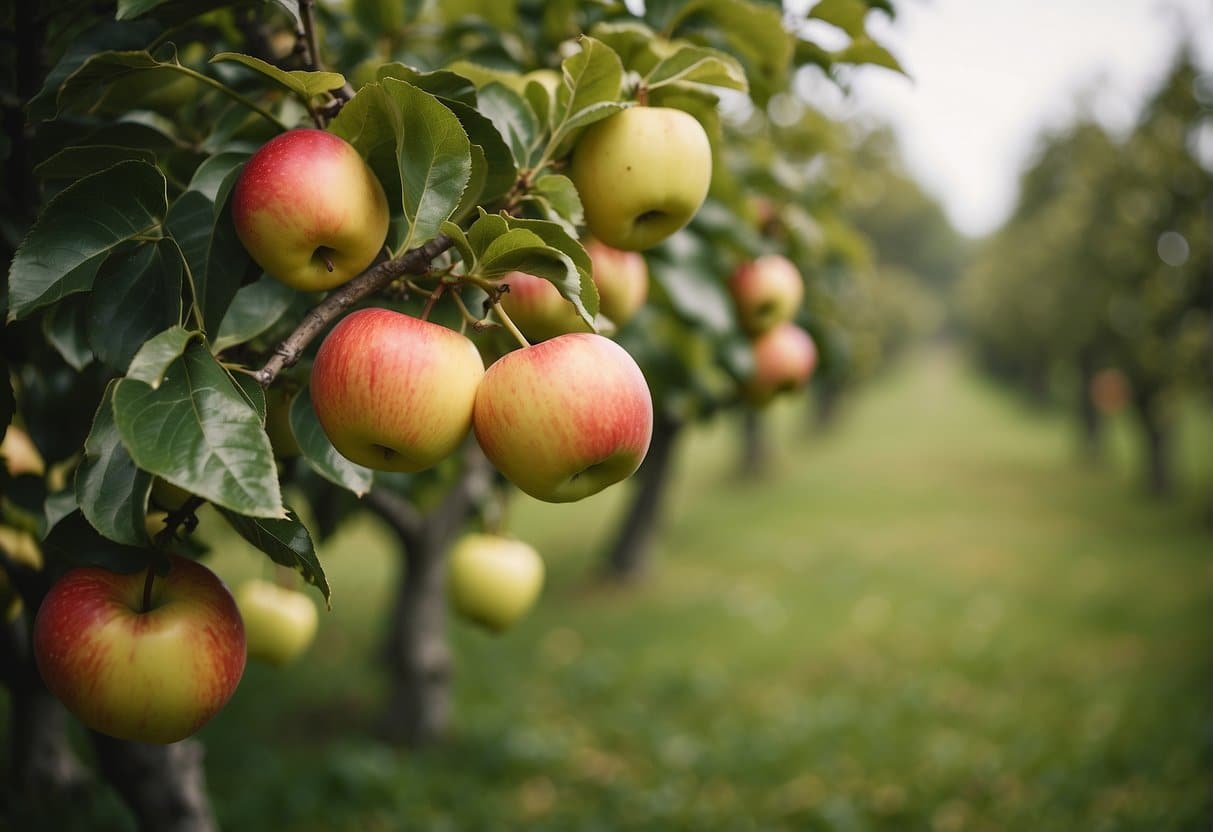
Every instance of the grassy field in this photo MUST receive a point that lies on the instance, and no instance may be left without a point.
(932, 618)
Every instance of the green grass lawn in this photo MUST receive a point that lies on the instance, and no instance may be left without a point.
(931, 618)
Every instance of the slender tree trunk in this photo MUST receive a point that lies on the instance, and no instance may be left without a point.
(164, 785)
(1090, 420)
(630, 555)
(418, 661)
(824, 412)
(1159, 475)
(755, 450)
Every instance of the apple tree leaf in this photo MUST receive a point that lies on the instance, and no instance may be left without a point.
(140, 296)
(83, 90)
(256, 308)
(557, 197)
(213, 174)
(199, 431)
(592, 81)
(77, 162)
(64, 325)
(515, 121)
(700, 65)
(847, 15)
(110, 489)
(443, 84)
(79, 228)
(152, 360)
(72, 541)
(286, 541)
(635, 44)
(864, 50)
(106, 36)
(318, 452)
(306, 85)
(217, 263)
(751, 31)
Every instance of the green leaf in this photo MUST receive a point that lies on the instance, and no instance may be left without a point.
(74, 542)
(847, 15)
(153, 359)
(211, 250)
(256, 308)
(556, 238)
(198, 431)
(467, 254)
(213, 173)
(78, 229)
(74, 163)
(306, 85)
(561, 195)
(107, 35)
(110, 489)
(751, 31)
(318, 452)
(634, 43)
(441, 83)
(482, 76)
(425, 144)
(82, 90)
(514, 119)
(139, 295)
(864, 50)
(700, 65)
(475, 188)
(592, 84)
(64, 327)
(501, 171)
(286, 541)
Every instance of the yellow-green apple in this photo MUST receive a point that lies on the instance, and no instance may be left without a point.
(309, 210)
(566, 418)
(766, 292)
(393, 392)
(622, 280)
(784, 358)
(642, 174)
(537, 309)
(278, 422)
(20, 454)
(20, 547)
(279, 623)
(154, 674)
(493, 580)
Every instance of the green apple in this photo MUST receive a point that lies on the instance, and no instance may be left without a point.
(784, 359)
(642, 174)
(566, 418)
(278, 422)
(766, 291)
(279, 623)
(20, 454)
(493, 580)
(309, 210)
(537, 308)
(622, 280)
(152, 675)
(393, 392)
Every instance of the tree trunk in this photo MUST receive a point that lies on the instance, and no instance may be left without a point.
(755, 450)
(1090, 420)
(823, 413)
(629, 557)
(164, 785)
(418, 660)
(1159, 476)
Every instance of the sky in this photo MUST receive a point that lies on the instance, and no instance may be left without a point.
(987, 75)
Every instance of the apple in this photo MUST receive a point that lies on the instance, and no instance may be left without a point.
(309, 210)
(766, 292)
(150, 675)
(278, 422)
(537, 308)
(279, 623)
(394, 392)
(566, 418)
(622, 279)
(641, 174)
(20, 454)
(493, 580)
(784, 358)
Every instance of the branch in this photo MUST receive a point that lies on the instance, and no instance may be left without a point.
(414, 261)
(307, 13)
(406, 519)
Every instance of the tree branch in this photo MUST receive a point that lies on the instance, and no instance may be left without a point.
(414, 261)
(406, 519)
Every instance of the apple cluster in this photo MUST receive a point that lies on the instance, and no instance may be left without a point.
(767, 292)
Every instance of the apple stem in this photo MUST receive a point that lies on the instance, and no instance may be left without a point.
(429, 304)
(508, 324)
(147, 589)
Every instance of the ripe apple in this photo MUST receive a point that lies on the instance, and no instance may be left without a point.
(566, 418)
(493, 580)
(309, 210)
(279, 623)
(642, 174)
(622, 279)
(784, 358)
(537, 308)
(20, 454)
(278, 422)
(394, 392)
(766, 291)
(154, 675)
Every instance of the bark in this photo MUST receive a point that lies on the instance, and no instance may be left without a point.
(164, 785)
(630, 555)
(1156, 434)
(755, 450)
(1090, 420)
(418, 660)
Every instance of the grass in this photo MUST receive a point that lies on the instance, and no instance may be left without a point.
(932, 618)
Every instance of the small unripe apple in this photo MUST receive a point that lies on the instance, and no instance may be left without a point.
(566, 418)
(309, 210)
(766, 291)
(279, 623)
(152, 675)
(622, 280)
(393, 392)
(493, 580)
(278, 422)
(642, 174)
(784, 358)
(537, 308)
(20, 454)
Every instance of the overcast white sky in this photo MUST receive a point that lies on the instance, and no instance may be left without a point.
(987, 74)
